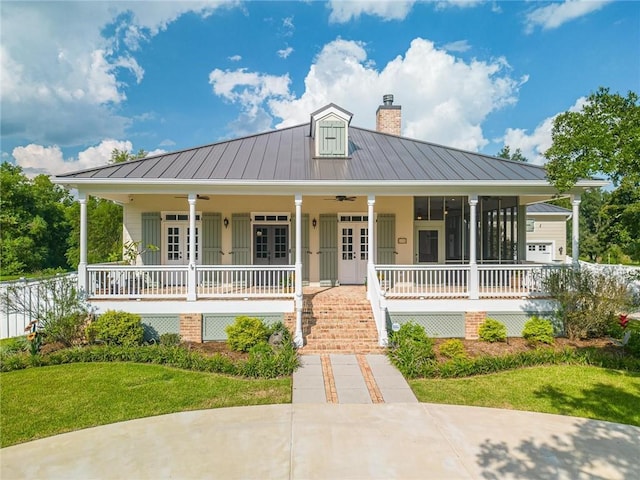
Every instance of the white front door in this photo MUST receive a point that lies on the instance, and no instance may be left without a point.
(353, 242)
(176, 243)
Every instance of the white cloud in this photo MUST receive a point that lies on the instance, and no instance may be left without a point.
(235, 58)
(457, 46)
(285, 52)
(167, 142)
(344, 11)
(539, 141)
(38, 159)
(556, 14)
(441, 4)
(444, 103)
(250, 90)
(157, 151)
(58, 67)
(288, 26)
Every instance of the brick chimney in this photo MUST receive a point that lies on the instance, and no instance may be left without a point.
(388, 116)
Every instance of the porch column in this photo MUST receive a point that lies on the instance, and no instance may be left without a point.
(191, 275)
(83, 281)
(297, 338)
(575, 231)
(473, 239)
(371, 201)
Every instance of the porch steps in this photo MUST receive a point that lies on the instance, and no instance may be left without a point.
(338, 320)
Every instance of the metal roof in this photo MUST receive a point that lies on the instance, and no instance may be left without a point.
(287, 155)
(548, 209)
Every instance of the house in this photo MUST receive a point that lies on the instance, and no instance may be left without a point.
(244, 226)
(547, 233)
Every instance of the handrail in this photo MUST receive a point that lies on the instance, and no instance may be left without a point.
(378, 304)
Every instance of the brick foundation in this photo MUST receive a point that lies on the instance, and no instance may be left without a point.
(191, 327)
(472, 322)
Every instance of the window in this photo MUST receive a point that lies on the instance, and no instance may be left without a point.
(531, 225)
(428, 208)
(542, 248)
(531, 248)
(331, 139)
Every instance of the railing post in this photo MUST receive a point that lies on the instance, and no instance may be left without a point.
(83, 284)
(371, 201)
(298, 338)
(383, 338)
(191, 273)
(575, 229)
(473, 234)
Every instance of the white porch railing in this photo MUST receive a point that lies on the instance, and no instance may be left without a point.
(378, 304)
(453, 281)
(246, 281)
(163, 281)
(424, 281)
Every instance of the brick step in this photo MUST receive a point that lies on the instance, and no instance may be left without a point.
(350, 347)
(339, 323)
(312, 337)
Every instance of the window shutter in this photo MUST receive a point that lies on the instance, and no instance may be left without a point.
(332, 138)
(328, 249)
(241, 238)
(151, 235)
(211, 239)
(385, 239)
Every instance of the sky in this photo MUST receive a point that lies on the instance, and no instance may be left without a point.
(78, 79)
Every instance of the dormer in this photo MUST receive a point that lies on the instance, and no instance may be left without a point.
(330, 131)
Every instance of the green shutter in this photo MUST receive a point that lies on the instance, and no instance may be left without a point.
(305, 245)
(328, 249)
(241, 238)
(385, 239)
(332, 138)
(211, 239)
(151, 235)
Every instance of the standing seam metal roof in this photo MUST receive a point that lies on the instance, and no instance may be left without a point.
(287, 155)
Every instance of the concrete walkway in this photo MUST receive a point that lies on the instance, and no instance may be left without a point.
(359, 379)
(322, 441)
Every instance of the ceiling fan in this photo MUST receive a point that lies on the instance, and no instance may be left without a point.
(198, 197)
(342, 198)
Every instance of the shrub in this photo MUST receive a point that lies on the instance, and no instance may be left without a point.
(14, 345)
(452, 348)
(538, 330)
(588, 301)
(492, 331)
(55, 304)
(170, 339)
(411, 350)
(116, 328)
(246, 332)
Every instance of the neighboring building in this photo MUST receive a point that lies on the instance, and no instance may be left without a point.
(547, 233)
(321, 204)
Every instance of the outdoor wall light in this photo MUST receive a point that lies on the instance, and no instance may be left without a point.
(314, 223)
(226, 222)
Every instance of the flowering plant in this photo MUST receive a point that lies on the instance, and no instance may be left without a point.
(623, 321)
(34, 337)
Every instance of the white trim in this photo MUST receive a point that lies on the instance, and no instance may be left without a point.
(464, 305)
(170, 307)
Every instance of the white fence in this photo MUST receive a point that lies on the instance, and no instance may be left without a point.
(12, 324)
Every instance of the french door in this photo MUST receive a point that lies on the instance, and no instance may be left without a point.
(429, 244)
(353, 255)
(176, 243)
(271, 245)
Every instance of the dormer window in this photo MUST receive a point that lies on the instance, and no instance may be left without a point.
(332, 138)
(330, 131)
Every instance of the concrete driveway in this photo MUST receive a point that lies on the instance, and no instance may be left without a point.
(325, 441)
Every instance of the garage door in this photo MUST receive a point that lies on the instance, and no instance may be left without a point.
(540, 252)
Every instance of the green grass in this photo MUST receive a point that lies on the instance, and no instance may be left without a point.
(40, 402)
(579, 391)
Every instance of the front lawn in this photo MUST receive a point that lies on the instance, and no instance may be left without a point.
(575, 390)
(40, 402)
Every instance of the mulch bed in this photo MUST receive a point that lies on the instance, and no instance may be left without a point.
(477, 348)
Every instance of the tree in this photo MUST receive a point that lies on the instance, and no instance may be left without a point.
(602, 138)
(33, 225)
(120, 156)
(517, 155)
(104, 231)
